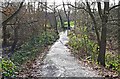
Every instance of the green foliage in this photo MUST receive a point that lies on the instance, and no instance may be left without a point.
(83, 44)
(65, 23)
(49, 38)
(8, 68)
(79, 40)
(71, 24)
(30, 49)
(113, 60)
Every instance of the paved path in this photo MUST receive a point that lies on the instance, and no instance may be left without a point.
(60, 63)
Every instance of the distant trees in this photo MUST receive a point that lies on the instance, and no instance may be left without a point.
(67, 14)
(61, 19)
(25, 20)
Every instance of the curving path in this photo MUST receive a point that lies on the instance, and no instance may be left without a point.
(60, 63)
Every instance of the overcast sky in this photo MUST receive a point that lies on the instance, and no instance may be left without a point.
(72, 1)
(60, 1)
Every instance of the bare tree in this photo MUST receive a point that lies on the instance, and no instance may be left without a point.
(75, 13)
(101, 38)
(104, 18)
(4, 24)
(61, 20)
(67, 13)
(55, 19)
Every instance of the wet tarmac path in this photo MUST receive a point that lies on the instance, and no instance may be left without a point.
(60, 63)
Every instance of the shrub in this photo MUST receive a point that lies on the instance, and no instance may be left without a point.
(31, 48)
(8, 68)
(112, 61)
(83, 44)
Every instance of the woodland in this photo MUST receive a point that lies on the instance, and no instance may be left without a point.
(29, 28)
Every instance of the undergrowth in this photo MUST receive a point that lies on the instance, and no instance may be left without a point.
(27, 51)
(88, 49)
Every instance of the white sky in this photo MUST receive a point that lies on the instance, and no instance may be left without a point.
(59, 1)
(72, 1)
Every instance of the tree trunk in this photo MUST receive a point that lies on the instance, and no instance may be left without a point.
(61, 20)
(56, 29)
(68, 19)
(67, 15)
(15, 40)
(75, 13)
(94, 22)
(101, 55)
(4, 43)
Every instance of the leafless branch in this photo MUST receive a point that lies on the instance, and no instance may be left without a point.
(15, 13)
(114, 7)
